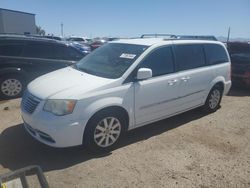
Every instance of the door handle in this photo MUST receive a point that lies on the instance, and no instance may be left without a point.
(172, 82)
(185, 79)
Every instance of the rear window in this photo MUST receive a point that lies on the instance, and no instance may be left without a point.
(239, 53)
(39, 50)
(238, 48)
(215, 54)
(189, 56)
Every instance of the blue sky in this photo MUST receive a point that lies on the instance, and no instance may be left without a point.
(127, 18)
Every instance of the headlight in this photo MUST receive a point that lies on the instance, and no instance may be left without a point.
(59, 107)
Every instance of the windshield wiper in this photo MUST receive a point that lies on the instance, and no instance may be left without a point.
(86, 71)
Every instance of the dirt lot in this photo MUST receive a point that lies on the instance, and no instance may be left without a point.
(189, 150)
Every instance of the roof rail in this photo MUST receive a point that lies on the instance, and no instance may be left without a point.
(20, 35)
(181, 37)
(197, 37)
(26, 37)
(158, 35)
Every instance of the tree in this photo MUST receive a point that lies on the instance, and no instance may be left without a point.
(40, 31)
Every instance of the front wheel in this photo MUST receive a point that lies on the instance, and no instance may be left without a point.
(213, 99)
(104, 131)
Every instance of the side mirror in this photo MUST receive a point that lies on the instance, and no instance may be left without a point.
(144, 73)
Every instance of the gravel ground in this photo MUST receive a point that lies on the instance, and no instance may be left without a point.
(189, 150)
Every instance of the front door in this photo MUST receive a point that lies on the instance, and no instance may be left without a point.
(156, 97)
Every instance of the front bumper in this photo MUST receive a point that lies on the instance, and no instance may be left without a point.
(55, 131)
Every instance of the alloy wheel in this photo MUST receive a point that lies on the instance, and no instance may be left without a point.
(107, 132)
(214, 99)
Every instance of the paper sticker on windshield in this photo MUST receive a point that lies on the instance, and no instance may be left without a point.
(127, 56)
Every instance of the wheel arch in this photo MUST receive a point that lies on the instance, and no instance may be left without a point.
(110, 103)
(217, 81)
(113, 107)
(220, 80)
(220, 84)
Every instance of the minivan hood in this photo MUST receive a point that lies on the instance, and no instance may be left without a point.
(66, 83)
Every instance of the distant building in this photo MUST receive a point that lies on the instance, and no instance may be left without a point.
(12, 21)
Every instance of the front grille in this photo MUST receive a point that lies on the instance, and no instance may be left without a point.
(30, 102)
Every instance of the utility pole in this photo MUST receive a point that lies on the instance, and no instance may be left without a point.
(62, 29)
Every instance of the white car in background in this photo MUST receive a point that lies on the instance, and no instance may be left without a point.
(123, 85)
(78, 39)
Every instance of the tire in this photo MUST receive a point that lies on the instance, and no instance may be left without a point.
(97, 138)
(213, 100)
(11, 86)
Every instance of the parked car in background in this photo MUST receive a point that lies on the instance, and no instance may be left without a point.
(110, 38)
(23, 58)
(240, 58)
(123, 85)
(83, 47)
(53, 37)
(77, 39)
(97, 43)
(45, 36)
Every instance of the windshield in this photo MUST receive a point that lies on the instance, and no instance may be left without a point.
(111, 60)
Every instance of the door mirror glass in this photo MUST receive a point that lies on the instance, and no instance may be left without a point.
(144, 73)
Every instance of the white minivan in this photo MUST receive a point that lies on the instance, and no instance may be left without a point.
(123, 85)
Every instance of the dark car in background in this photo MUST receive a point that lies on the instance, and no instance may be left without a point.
(23, 58)
(97, 43)
(84, 48)
(240, 62)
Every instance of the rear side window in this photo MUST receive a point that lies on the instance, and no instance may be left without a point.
(51, 51)
(159, 61)
(215, 54)
(39, 50)
(189, 56)
(11, 49)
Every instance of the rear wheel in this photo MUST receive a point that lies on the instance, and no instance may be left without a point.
(11, 86)
(104, 131)
(213, 99)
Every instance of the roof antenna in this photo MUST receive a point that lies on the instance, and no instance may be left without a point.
(228, 34)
